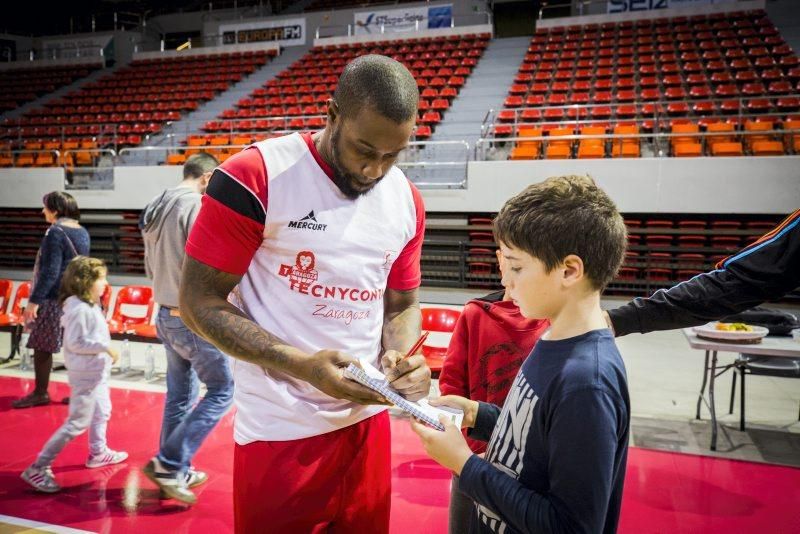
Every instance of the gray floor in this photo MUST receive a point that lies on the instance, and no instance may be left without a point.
(664, 377)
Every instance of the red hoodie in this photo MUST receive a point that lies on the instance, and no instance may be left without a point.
(490, 341)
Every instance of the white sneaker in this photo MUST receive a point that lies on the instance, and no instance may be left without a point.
(108, 457)
(195, 478)
(171, 483)
(41, 478)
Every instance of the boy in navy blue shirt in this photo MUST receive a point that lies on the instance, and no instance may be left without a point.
(558, 447)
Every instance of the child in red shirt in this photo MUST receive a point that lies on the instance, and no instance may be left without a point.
(490, 341)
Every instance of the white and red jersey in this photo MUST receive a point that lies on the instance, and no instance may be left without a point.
(315, 266)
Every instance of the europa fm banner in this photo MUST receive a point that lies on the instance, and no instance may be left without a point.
(623, 6)
(285, 32)
(403, 20)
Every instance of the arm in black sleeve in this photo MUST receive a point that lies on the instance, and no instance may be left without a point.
(582, 441)
(485, 420)
(49, 266)
(766, 270)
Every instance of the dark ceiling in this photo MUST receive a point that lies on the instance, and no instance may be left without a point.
(48, 17)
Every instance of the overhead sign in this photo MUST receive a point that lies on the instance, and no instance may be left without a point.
(624, 6)
(403, 20)
(285, 32)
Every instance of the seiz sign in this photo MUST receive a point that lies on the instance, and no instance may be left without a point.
(623, 6)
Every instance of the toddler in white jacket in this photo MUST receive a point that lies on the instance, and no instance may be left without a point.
(88, 356)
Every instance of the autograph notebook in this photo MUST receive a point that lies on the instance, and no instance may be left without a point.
(375, 380)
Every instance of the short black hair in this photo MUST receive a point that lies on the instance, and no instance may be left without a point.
(566, 215)
(381, 83)
(63, 204)
(198, 164)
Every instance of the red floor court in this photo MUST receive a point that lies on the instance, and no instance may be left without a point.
(664, 492)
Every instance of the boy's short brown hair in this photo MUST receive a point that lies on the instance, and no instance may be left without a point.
(79, 276)
(566, 215)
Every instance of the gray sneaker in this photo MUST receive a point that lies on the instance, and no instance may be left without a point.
(171, 483)
(41, 478)
(194, 478)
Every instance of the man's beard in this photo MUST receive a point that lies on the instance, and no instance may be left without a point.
(344, 180)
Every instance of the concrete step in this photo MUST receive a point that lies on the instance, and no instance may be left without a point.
(485, 89)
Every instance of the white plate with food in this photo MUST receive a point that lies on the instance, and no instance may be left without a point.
(731, 332)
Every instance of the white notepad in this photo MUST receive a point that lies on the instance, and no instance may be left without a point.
(375, 380)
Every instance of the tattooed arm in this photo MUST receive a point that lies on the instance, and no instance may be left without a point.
(401, 328)
(206, 311)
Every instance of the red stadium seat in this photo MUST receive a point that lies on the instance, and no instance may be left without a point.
(13, 316)
(437, 320)
(122, 321)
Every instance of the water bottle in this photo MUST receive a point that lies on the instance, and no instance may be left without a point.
(125, 357)
(149, 363)
(24, 353)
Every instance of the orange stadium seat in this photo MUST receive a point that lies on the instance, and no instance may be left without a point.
(767, 148)
(592, 148)
(558, 149)
(726, 148)
(756, 126)
(687, 149)
(628, 147)
(527, 149)
(719, 128)
(176, 159)
(792, 139)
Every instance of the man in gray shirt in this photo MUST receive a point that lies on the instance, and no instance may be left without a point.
(165, 225)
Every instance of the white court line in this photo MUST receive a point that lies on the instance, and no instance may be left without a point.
(47, 527)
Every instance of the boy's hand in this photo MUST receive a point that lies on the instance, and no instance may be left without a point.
(411, 377)
(114, 355)
(469, 407)
(448, 448)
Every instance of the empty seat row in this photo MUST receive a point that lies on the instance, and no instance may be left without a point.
(133, 102)
(19, 86)
(690, 69)
(684, 140)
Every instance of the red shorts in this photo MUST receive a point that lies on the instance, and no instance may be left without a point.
(334, 482)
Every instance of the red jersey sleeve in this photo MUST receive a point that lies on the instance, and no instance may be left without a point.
(230, 226)
(406, 272)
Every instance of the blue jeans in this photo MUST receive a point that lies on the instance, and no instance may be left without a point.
(189, 358)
